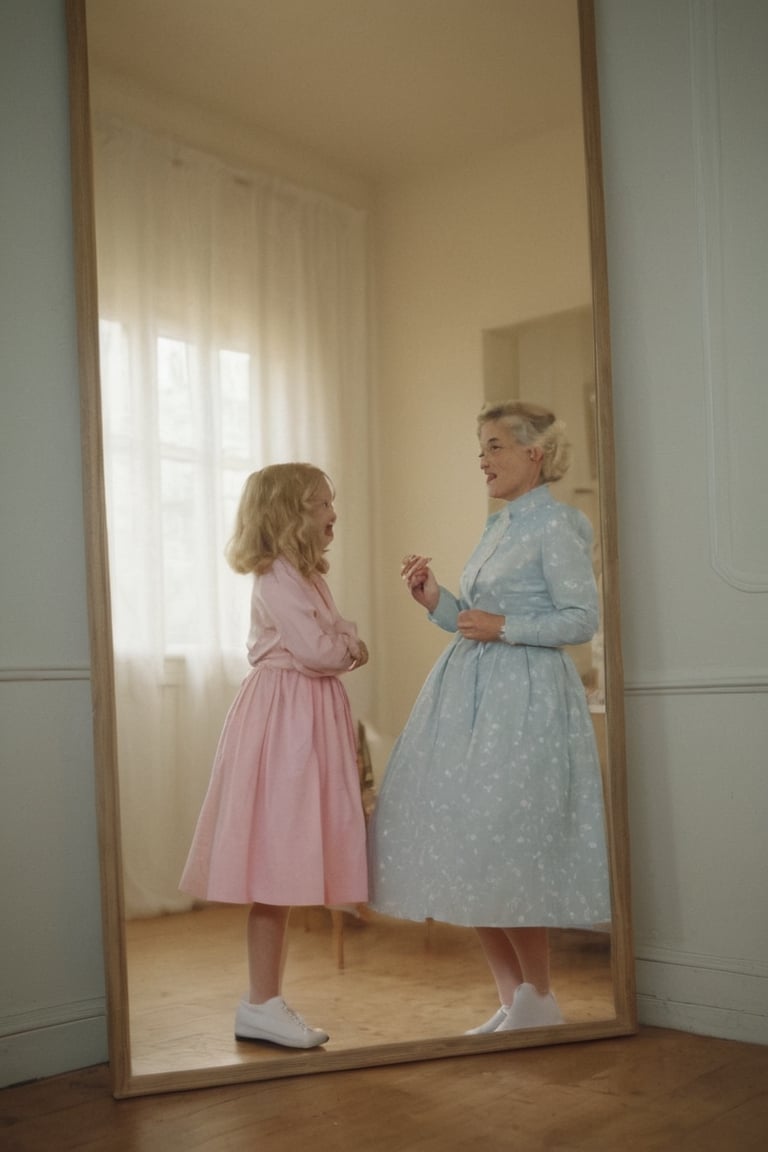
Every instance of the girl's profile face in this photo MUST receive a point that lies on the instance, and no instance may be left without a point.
(323, 512)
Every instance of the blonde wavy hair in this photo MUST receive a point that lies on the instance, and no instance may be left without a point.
(275, 518)
(531, 424)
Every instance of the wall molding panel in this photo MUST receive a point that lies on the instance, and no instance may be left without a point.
(689, 684)
(37, 675)
(33, 1054)
(730, 131)
(52, 1016)
(658, 954)
(52, 999)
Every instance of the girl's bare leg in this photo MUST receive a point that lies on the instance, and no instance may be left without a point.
(266, 935)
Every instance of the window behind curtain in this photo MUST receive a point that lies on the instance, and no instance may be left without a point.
(233, 335)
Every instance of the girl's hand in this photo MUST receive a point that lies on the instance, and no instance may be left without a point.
(361, 658)
(483, 627)
(421, 582)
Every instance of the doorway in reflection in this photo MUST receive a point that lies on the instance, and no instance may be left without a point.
(550, 360)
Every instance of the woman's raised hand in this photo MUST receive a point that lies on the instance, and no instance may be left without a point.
(420, 579)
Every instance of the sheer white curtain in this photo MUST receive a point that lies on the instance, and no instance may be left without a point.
(233, 335)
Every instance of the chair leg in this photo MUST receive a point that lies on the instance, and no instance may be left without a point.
(337, 923)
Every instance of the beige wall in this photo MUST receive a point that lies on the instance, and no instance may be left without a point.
(467, 249)
(232, 142)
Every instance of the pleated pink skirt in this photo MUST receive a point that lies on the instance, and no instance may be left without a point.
(282, 822)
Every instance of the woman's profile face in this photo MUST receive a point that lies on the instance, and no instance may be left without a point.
(510, 469)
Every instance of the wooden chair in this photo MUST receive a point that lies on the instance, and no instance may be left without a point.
(367, 797)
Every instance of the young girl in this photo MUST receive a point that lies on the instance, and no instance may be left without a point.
(282, 822)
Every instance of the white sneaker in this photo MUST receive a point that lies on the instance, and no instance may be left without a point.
(530, 1010)
(275, 1021)
(491, 1025)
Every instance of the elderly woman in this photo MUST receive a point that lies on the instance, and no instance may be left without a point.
(490, 812)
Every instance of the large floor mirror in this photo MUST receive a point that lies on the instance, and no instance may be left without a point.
(447, 156)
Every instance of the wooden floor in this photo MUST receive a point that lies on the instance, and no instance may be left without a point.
(401, 982)
(659, 1091)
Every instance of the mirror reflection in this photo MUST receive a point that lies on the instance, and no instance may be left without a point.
(327, 232)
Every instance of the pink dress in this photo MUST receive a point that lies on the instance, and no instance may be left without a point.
(282, 821)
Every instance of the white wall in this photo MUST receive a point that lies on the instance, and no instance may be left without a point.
(51, 983)
(687, 229)
(695, 644)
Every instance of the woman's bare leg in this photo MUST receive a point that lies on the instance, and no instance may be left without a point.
(266, 935)
(502, 961)
(516, 956)
(531, 946)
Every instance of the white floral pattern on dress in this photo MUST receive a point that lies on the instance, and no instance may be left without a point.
(491, 809)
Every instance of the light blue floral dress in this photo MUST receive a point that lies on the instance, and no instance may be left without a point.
(491, 810)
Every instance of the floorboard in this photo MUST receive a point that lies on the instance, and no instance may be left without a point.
(659, 1091)
(400, 982)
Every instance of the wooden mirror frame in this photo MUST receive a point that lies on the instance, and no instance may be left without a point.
(124, 1082)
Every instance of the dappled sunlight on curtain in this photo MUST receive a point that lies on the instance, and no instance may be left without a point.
(233, 335)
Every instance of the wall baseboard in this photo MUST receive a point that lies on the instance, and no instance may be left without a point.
(49, 1051)
(708, 1000)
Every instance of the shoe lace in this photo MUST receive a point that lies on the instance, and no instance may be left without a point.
(295, 1017)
